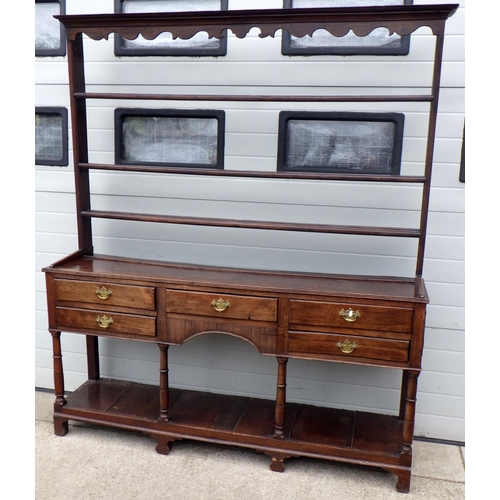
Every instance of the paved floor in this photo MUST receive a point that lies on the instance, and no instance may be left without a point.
(102, 464)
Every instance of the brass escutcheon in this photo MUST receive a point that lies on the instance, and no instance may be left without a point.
(103, 293)
(220, 304)
(350, 315)
(347, 347)
(103, 321)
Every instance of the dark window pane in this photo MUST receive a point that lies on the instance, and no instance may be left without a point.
(170, 140)
(51, 137)
(369, 143)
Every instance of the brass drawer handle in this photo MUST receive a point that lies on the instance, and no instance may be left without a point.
(350, 315)
(103, 293)
(347, 347)
(103, 321)
(220, 305)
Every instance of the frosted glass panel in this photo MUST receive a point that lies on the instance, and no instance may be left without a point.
(379, 39)
(47, 29)
(200, 41)
(51, 138)
(170, 140)
(340, 144)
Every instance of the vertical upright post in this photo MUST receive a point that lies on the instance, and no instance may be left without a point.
(76, 67)
(93, 368)
(431, 139)
(80, 142)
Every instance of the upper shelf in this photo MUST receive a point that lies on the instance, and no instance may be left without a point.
(402, 20)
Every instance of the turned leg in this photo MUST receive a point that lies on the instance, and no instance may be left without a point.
(279, 416)
(164, 441)
(164, 383)
(60, 423)
(58, 368)
(404, 390)
(409, 414)
(410, 382)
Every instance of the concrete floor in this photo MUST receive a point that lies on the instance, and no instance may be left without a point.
(102, 464)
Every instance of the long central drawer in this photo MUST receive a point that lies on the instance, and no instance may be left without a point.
(253, 319)
(222, 305)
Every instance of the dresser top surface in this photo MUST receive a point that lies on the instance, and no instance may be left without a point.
(251, 280)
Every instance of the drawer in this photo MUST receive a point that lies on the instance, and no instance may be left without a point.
(307, 315)
(105, 323)
(348, 346)
(222, 306)
(97, 292)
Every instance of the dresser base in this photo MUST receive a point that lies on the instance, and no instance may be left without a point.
(348, 436)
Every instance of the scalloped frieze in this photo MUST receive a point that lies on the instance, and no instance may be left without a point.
(241, 31)
(298, 22)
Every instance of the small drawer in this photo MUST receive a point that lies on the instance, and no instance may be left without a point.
(348, 346)
(307, 315)
(104, 322)
(222, 305)
(97, 292)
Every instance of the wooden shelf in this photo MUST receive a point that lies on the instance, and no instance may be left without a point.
(396, 232)
(312, 431)
(255, 98)
(320, 176)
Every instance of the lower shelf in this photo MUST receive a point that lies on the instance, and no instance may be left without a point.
(327, 433)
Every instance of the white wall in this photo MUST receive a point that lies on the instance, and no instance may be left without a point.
(225, 364)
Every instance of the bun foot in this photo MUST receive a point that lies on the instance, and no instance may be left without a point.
(164, 446)
(60, 426)
(403, 484)
(277, 461)
(277, 465)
